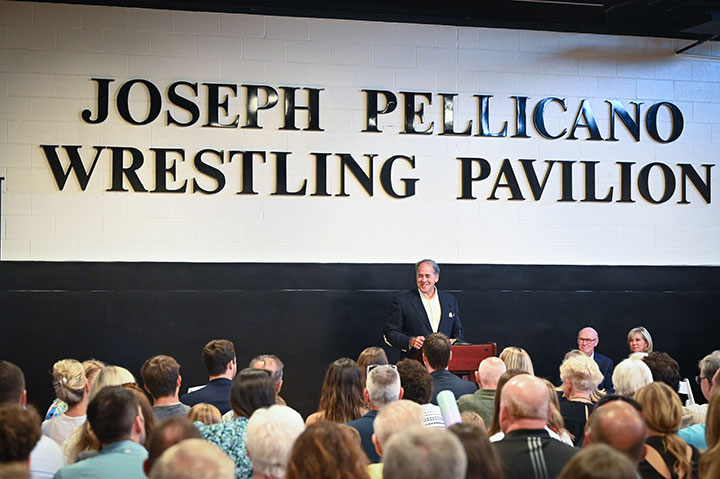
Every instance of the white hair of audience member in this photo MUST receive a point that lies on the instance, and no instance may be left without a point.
(424, 453)
(489, 372)
(630, 375)
(582, 371)
(383, 385)
(396, 416)
(193, 459)
(110, 376)
(639, 356)
(271, 433)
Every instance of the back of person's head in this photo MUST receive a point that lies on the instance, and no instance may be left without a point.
(489, 372)
(216, 355)
(524, 397)
(620, 425)
(517, 358)
(599, 461)
(145, 407)
(504, 378)
(372, 355)
(325, 451)
(251, 389)
(395, 417)
(709, 365)
(69, 381)
(19, 432)
(160, 374)
(341, 397)
(415, 380)
(424, 453)
(581, 371)
(168, 433)
(269, 362)
(664, 368)
(436, 349)
(483, 460)
(12, 383)
(630, 375)
(205, 413)
(111, 376)
(383, 385)
(92, 367)
(269, 439)
(471, 417)
(710, 460)
(193, 459)
(112, 412)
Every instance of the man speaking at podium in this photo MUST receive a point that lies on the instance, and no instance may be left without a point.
(419, 312)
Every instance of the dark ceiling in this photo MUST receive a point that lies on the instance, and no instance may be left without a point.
(688, 19)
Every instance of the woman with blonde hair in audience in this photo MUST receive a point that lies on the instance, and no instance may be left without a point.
(596, 393)
(72, 387)
(639, 340)
(710, 460)
(667, 456)
(580, 375)
(205, 413)
(325, 451)
(517, 358)
(91, 368)
(341, 398)
(368, 356)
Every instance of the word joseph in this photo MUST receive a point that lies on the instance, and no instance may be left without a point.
(209, 171)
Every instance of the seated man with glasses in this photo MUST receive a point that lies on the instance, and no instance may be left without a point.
(587, 340)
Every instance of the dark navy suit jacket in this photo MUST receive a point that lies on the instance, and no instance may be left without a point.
(216, 392)
(444, 379)
(365, 427)
(607, 367)
(407, 318)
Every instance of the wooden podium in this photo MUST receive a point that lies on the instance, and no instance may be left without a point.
(466, 359)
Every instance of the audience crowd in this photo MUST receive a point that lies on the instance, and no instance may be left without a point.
(374, 419)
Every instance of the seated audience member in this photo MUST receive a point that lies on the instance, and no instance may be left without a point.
(252, 389)
(436, 353)
(630, 375)
(19, 433)
(708, 366)
(72, 387)
(596, 393)
(341, 398)
(368, 356)
(639, 340)
(117, 422)
(221, 364)
(599, 462)
(205, 413)
(193, 459)
(82, 442)
(527, 451)
(470, 417)
(580, 375)
(168, 432)
(46, 457)
(392, 419)
(483, 459)
(667, 455)
(161, 375)
(91, 367)
(270, 436)
(556, 424)
(494, 430)
(665, 369)
(417, 386)
(481, 401)
(699, 435)
(383, 387)
(325, 451)
(517, 358)
(619, 425)
(710, 461)
(271, 363)
(424, 453)
(587, 341)
(145, 408)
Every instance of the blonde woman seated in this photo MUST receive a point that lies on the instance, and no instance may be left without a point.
(639, 340)
(72, 387)
(580, 375)
(517, 358)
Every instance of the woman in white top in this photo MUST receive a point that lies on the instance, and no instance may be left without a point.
(71, 385)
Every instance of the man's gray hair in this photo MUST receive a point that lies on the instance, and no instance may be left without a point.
(709, 365)
(259, 362)
(193, 459)
(271, 433)
(630, 375)
(424, 453)
(432, 263)
(383, 386)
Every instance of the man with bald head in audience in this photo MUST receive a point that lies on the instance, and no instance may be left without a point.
(482, 400)
(587, 341)
(619, 425)
(527, 451)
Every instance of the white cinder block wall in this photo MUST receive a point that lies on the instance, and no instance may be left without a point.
(50, 53)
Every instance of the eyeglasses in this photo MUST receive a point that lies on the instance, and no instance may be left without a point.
(587, 340)
(373, 366)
